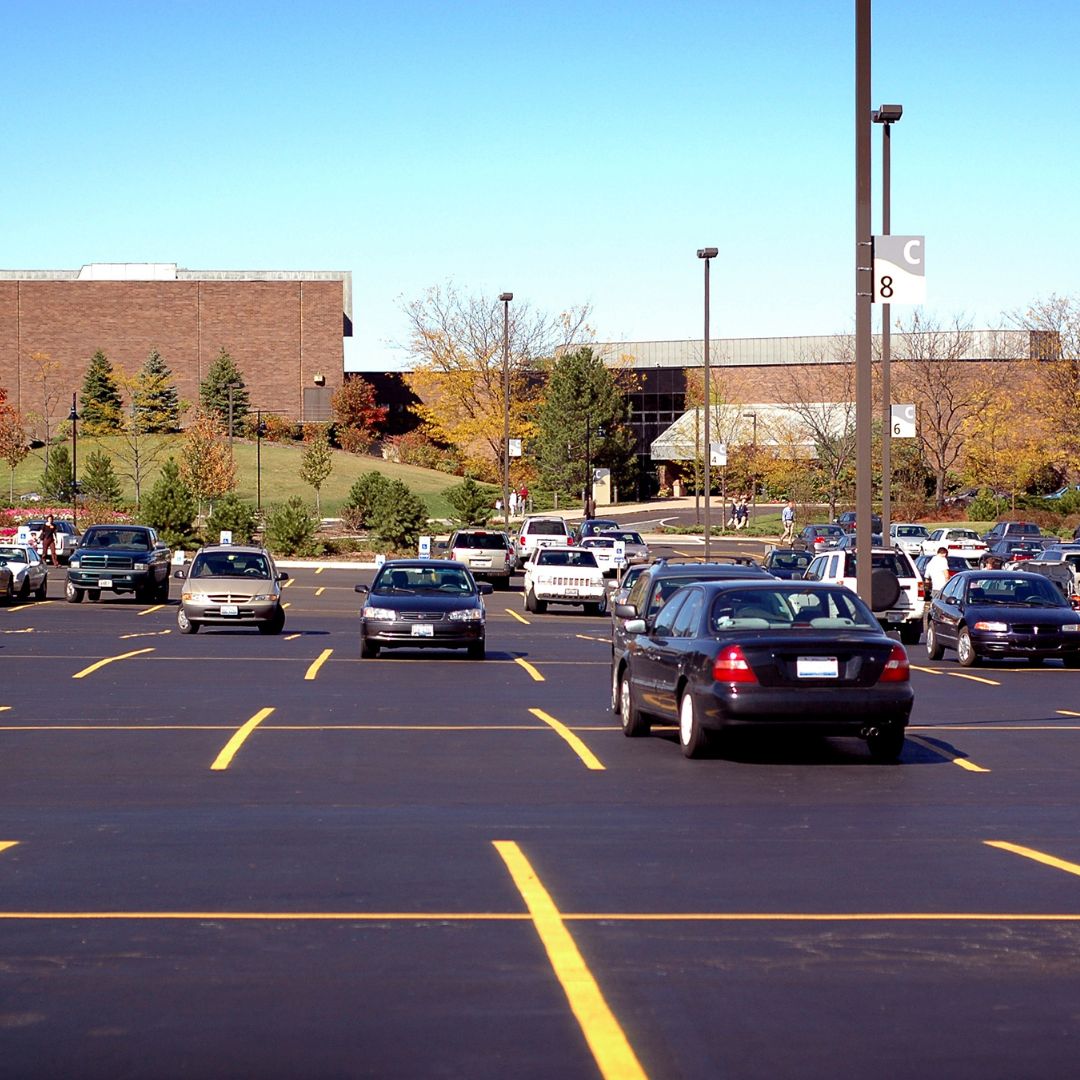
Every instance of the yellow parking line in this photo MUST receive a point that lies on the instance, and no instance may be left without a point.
(589, 637)
(1067, 712)
(148, 633)
(318, 570)
(928, 670)
(108, 660)
(579, 748)
(5, 708)
(321, 589)
(536, 676)
(610, 1048)
(5, 844)
(151, 610)
(291, 637)
(286, 604)
(1037, 856)
(948, 756)
(973, 678)
(229, 750)
(24, 630)
(520, 618)
(321, 659)
(287, 584)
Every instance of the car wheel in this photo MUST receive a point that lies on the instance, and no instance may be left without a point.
(887, 744)
(162, 596)
(616, 690)
(633, 723)
(1072, 661)
(934, 649)
(477, 650)
(965, 649)
(910, 632)
(186, 625)
(42, 590)
(24, 588)
(693, 738)
(275, 624)
(368, 649)
(1035, 661)
(72, 595)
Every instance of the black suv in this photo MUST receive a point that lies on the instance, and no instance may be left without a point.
(117, 559)
(653, 589)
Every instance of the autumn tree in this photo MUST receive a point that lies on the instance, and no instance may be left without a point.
(135, 446)
(457, 344)
(317, 464)
(100, 402)
(357, 415)
(214, 392)
(46, 373)
(14, 441)
(206, 466)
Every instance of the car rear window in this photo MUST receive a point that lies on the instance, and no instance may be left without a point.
(882, 560)
(484, 541)
(546, 527)
(769, 609)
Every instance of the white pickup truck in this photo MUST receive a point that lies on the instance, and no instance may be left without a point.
(564, 575)
(67, 538)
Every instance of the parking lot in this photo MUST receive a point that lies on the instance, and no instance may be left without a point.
(240, 855)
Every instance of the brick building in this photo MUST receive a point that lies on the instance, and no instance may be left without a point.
(284, 330)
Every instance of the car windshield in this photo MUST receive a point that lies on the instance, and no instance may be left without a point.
(1014, 591)
(789, 609)
(484, 541)
(230, 564)
(625, 537)
(117, 538)
(566, 558)
(911, 530)
(598, 542)
(13, 554)
(414, 580)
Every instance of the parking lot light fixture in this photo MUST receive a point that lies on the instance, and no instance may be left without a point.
(504, 299)
(74, 418)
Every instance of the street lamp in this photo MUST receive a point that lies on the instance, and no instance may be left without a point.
(231, 387)
(753, 467)
(887, 115)
(74, 417)
(505, 299)
(708, 254)
(260, 431)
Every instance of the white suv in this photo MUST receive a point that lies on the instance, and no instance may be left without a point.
(898, 591)
(540, 531)
(564, 575)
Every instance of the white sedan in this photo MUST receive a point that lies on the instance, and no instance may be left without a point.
(564, 575)
(27, 569)
(908, 537)
(960, 543)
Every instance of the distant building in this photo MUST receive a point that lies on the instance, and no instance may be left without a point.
(284, 329)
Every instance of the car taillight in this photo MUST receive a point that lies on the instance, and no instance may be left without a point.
(569, 541)
(731, 666)
(896, 667)
(922, 590)
(521, 540)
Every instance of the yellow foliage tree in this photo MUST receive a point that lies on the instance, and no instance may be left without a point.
(207, 466)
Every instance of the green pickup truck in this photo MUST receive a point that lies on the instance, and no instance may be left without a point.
(118, 559)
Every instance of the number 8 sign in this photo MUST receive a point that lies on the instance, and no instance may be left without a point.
(899, 270)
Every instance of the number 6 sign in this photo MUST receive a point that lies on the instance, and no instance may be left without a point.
(899, 270)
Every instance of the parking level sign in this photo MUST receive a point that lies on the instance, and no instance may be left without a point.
(899, 269)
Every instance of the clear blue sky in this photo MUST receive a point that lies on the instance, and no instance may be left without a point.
(570, 152)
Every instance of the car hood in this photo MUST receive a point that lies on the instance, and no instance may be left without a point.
(433, 602)
(222, 584)
(1021, 613)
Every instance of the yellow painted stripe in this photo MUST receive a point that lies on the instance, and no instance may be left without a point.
(147, 633)
(948, 756)
(321, 589)
(287, 584)
(5, 708)
(151, 610)
(536, 676)
(317, 663)
(286, 604)
(1037, 856)
(579, 748)
(928, 670)
(973, 678)
(5, 844)
(291, 637)
(229, 750)
(610, 1048)
(589, 637)
(319, 570)
(109, 660)
(1067, 712)
(520, 618)
(24, 630)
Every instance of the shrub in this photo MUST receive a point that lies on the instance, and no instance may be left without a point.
(290, 528)
(355, 440)
(231, 513)
(96, 512)
(472, 503)
(275, 428)
(399, 516)
(984, 507)
(359, 504)
(170, 507)
(98, 480)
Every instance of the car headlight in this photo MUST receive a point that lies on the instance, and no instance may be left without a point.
(467, 615)
(992, 627)
(187, 596)
(74, 564)
(1071, 628)
(141, 567)
(380, 614)
(263, 597)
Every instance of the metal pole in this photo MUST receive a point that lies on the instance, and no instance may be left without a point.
(708, 410)
(506, 298)
(74, 468)
(864, 384)
(886, 343)
(753, 479)
(258, 461)
(230, 389)
(588, 465)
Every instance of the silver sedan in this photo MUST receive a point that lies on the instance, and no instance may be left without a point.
(27, 570)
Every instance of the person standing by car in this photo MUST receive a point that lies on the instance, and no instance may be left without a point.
(48, 541)
(788, 518)
(937, 574)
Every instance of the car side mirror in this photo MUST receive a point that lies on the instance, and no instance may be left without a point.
(181, 574)
(626, 611)
(485, 588)
(635, 626)
(282, 576)
(362, 588)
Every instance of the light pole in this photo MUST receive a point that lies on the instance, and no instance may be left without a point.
(505, 298)
(753, 465)
(231, 387)
(887, 115)
(74, 417)
(708, 254)
(258, 460)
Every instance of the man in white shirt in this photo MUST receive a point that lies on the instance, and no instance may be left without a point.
(937, 573)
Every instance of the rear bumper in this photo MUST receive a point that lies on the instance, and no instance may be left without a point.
(821, 711)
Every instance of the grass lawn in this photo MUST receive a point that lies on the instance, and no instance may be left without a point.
(280, 473)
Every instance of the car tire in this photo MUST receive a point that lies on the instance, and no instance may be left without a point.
(934, 649)
(634, 724)
(910, 632)
(275, 624)
(72, 595)
(616, 689)
(162, 591)
(887, 744)
(693, 738)
(477, 650)
(884, 589)
(24, 589)
(1036, 661)
(965, 649)
(186, 625)
(42, 590)
(93, 595)
(368, 649)
(1072, 661)
(537, 607)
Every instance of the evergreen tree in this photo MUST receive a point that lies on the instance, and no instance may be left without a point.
(359, 506)
(214, 392)
(100, 401)
(232, 513)
(399, 516)
(56, 480)
(317, 464)
(155, 397)
(170, 507)
(98, 480)
(471, 502)
(290, 528)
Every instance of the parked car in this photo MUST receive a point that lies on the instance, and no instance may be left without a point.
(595, 526)
(229, 585)
(603, 548)
(846, 521)
(956, 565)
(621, 589)
(963, 543)
(564, 575)
(820, 537)
(786, 563)
(898, 596)
(998, 613)
(423, 604)
(487, 553)
(67, 538)
(1012, 530)
(848, 540)
(119, 559)
(784, 657)
(1062, 491)
(540, 531)
(1012, 551)
(7, 585)
(29, 573)
(634, 546)
(1061, 564)
(908, 537)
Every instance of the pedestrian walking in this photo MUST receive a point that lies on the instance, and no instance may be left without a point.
(787, 515)
(47, 536)
(937, 573)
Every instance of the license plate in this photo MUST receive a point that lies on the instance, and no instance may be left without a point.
(104, 583)
(894, 616)
(423, 630)
(229, 609)
(479, 562)
(571, 592)
(817, 667)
